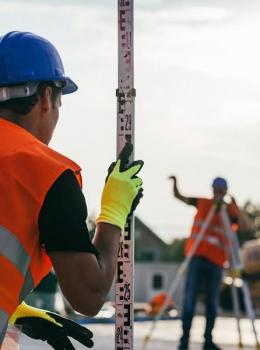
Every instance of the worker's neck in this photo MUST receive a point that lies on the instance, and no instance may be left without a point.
(27, 122)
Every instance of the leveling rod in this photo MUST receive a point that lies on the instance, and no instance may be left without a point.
(124, 287)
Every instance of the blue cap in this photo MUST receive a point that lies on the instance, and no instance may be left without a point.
(219, 182)
(26, 57)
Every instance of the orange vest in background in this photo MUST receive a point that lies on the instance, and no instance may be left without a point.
(28, 168)
(214, 245)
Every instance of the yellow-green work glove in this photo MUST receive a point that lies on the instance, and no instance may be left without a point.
(50, 327)
(122, 191)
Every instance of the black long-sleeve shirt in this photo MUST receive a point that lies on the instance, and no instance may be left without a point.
(62, 218)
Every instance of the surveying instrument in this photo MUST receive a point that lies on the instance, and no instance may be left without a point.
(235, 272)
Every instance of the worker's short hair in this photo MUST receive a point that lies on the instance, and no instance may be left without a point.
(24, 105)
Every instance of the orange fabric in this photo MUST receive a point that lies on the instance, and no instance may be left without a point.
(157, 302)
(214, 245)
(28, 170)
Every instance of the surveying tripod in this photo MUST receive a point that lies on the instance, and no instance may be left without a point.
(235, 273)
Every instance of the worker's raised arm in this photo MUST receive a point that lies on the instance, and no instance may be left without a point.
(176, 192)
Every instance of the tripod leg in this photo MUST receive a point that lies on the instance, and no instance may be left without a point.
(236, 263)
(236, 308)
(250, 310)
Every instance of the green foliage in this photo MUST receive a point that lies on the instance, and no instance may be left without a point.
(251, 213)
(176, 250)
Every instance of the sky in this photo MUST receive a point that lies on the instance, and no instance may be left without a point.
(197, 109)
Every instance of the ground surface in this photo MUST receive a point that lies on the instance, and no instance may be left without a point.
(166, 335)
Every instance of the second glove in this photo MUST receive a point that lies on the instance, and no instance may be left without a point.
(50, 327)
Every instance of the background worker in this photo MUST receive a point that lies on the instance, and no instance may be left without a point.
(206, 266)
(42, 210)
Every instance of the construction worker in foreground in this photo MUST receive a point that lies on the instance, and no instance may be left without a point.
(42, 209)
(206, 266)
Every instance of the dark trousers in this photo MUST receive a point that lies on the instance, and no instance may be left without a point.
(201, 273)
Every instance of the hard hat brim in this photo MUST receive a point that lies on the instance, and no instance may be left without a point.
(70, 86)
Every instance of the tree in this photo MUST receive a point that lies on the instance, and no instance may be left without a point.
(176, 250)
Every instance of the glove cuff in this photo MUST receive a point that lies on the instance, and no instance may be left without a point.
(109, 218)
(24, 310)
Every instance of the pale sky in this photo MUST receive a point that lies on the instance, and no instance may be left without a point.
(197, 76)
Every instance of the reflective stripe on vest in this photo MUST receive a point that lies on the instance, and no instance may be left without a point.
(198, 222)
(210, 239)
(214, 240)
(27, 286)
(13, 250)
(214, 228)
(3, 324)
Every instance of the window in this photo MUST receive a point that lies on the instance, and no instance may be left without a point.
(157, 281)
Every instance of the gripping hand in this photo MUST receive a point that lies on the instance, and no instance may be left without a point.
(50, 327)
(122, 191)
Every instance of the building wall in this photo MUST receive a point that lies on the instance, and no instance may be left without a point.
(148, 272)
(148, 246)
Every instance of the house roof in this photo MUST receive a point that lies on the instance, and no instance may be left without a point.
(139, 224)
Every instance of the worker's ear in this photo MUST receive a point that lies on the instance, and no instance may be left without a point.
(45, 100)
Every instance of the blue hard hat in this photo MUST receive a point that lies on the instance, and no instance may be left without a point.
(219, 182)
(27, 57)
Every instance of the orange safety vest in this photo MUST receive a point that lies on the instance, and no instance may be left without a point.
(28, 170)
(214, 245)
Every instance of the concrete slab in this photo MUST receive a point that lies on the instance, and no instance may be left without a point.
(165, 336)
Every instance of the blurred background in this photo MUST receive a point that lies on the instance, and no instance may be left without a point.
(197, 78)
